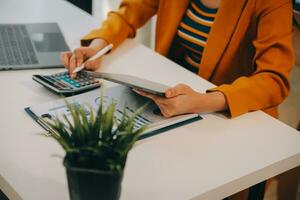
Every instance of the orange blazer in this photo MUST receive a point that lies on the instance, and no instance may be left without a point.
(249, 51)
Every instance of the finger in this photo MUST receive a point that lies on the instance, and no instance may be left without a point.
(177, 90)
(79, 57)
(164, 110)
(148, 95)
(65, 58)
(142, 93)
(72, 65)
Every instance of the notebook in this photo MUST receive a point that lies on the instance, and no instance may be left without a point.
(125, 99)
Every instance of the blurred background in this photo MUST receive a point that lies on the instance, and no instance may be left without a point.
(100, 8)
(145, 35)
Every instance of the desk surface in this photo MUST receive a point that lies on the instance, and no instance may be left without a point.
(208, 159)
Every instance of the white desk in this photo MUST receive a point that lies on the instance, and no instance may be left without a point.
(209, 159)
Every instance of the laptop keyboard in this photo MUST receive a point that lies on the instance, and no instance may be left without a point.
(15, 46)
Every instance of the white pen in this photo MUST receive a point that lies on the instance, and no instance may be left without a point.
(97, 55)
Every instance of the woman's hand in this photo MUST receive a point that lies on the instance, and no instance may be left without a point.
(182, 99)
(74, 59)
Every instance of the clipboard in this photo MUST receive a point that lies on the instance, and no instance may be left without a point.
(127, 99)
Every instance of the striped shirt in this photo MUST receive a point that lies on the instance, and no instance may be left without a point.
(193, 32)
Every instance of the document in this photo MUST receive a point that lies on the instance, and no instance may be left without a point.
(126, 101)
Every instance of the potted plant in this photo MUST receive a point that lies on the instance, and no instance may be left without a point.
(96, 147)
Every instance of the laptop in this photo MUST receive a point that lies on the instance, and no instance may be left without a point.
(29, 46)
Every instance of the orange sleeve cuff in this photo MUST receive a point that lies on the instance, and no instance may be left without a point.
(235, 105)
(95, 34)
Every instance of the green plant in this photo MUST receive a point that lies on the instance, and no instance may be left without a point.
(95, 141)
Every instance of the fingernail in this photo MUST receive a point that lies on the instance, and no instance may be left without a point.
(168, 94)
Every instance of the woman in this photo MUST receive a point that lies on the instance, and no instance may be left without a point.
(244, 47)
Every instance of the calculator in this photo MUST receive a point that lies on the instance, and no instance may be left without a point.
(62, 83)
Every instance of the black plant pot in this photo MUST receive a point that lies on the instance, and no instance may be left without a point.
(91, 184)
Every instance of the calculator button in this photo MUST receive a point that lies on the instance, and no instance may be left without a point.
(50, 79)
(66, 82)
(65, 85)
(59, 85)
(70, 81)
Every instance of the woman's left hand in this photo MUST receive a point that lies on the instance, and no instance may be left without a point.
(182, 99)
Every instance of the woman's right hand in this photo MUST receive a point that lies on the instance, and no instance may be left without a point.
(74, 59)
